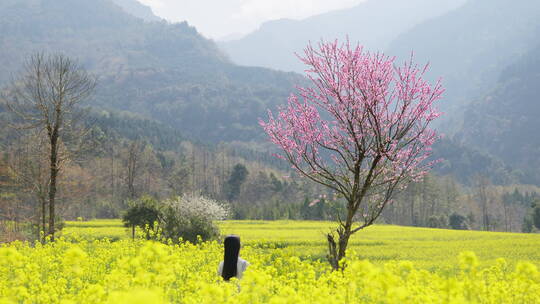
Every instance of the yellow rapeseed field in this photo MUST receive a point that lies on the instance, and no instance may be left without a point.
(431, 249)
(413, 266)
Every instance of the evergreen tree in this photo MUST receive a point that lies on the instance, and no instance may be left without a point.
(536, 214)
(236, 179)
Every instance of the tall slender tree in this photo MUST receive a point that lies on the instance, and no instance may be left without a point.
(133, 166)
(482, 183)
(361, 129)
(47, 97)
(30, 170)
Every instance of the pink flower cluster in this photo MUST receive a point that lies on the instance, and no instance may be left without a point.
(362, 118)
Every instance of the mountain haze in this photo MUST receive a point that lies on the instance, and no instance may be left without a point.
(137, 9)
(467, 43)
(505, 120)
(169, 76)
(487, 54)
(470, 47)
(374, 23)
(167, 72)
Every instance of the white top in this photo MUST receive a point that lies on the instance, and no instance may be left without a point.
(241, 266)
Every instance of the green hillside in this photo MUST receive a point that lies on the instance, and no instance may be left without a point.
(470, 47)
(505, 121)
(167, 72)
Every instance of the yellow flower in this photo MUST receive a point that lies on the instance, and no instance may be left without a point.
(468, 260)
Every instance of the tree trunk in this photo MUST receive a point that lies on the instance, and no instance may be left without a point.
(485, 217)
(112, 174)
(337, 251)
(43, 219)
(413, 218)
(510, 219)
(433, 204)
(505, 218)
(52, 185)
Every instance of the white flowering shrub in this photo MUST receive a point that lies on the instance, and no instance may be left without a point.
(191, 218)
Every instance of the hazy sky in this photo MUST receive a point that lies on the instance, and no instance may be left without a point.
(221, 18)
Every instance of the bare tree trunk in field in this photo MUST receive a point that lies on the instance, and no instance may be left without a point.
(482, 184)
(43, 218)
(433, 204)
(42, 221)
(193, 173)
(505, 217)
(31, 172)
(112, 173)
(411, 194)
(46, 98)
(413, 221)
(133, 166)
(510, 218)
(53, 136)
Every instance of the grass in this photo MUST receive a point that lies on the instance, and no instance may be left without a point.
(432, 249)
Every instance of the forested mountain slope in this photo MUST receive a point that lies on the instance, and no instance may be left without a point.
(167, 73)
(167, 100)
(374, 23)
(505, 121)
(470, 46)
(162, 71)
(137, 9)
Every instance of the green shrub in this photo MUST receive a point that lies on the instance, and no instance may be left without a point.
(458, 222)
(143, 213)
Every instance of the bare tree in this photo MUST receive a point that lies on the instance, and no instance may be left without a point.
(179, 179)
(506, 202)
(30, 170)
(482, 184)
(12, 208)
(46, 97)
(133, 166)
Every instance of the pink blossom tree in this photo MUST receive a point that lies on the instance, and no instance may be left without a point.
(361, 129)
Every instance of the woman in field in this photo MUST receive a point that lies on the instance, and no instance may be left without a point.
(232, 265)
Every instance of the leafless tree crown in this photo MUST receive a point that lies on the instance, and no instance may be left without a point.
(49, 91)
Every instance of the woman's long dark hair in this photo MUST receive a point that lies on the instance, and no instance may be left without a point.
(230, 260)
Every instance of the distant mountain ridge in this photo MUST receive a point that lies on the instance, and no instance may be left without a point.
(166, 72)
(471, 46)
(487, 54)
(505, 121)
(374, 23)
(138, 10)
(467, 43)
